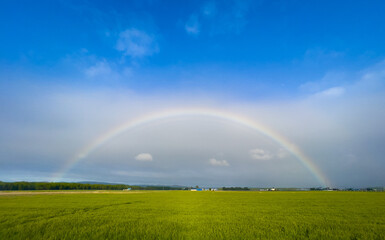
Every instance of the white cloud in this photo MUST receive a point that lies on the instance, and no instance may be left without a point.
(135, 43)
(331, 92)
(192, 26)
(144, 157)
(215, 162)
(260, 154)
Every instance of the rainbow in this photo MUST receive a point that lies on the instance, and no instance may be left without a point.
(174, 113)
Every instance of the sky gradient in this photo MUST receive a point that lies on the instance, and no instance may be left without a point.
(313, 72)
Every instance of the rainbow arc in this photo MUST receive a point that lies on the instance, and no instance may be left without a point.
(204, 112)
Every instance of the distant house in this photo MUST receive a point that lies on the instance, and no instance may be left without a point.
(127, 189)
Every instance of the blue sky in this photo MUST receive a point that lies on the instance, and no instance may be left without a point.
(271, 45)
(281, 62)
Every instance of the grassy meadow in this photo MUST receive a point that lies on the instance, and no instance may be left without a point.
(192, 215)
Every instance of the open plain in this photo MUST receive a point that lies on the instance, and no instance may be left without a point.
(191, 215)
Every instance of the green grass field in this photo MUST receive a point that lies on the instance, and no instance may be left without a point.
(193, 215)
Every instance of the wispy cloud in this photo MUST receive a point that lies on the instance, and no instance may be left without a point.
(331, 92)
(221, 163)
(136, 43)
(219, 18)
(192, 26)
(209, 9)
(329, 80)
(100, 68)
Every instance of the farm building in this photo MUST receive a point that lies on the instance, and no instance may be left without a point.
(203, 189)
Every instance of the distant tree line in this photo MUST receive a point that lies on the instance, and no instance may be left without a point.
(369, 189)
(236, 189)
(75, 186)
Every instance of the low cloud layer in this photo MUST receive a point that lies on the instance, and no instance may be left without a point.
(42, 128)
